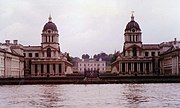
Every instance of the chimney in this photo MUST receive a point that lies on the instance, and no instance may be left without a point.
(175, 40)
(15, 42)
(7, 41)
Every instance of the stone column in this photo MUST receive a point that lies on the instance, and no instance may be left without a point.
(150, 67)
(132, 68)
(162, 66)
(177, 66)
(63, 68)
(126, 68)
(120, 67)
(57, 69)
(32, 70)
(50, 70)
(45, 70)
(145, 67)
(138, 67)
(38, 69)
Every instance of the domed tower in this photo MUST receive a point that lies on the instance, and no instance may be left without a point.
(132, 35)
(50, 39)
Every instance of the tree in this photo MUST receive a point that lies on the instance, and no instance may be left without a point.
(85, 56)
(114, 57)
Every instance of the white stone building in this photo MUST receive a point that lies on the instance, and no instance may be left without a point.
(136, 57)
(47, 60)
(170, 58)
(91, 65)
(11, 60)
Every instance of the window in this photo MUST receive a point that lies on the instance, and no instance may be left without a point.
(49, 52)
(133, 38)
(123, 67)
(146, 54)
(130, 37)
(133, 30)
(30, 54)
(152, 53)
(134, 51)
(135, 67)
(141, 67)
(36, 55)
(60, 68)
(24, 54)
(46, 38)
(137, 38)
(49, 38)
(49, 31)
(129, 66)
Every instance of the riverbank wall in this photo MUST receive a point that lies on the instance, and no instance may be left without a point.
(82, 80)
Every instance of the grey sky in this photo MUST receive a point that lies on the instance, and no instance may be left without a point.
(89, 26)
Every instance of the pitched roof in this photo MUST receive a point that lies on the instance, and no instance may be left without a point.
(150, 46)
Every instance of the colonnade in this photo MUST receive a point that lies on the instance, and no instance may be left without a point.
(135, 67)
(47, 70)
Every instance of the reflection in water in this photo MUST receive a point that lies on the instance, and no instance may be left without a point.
(134, 95)
(90, 96)
(49, 96)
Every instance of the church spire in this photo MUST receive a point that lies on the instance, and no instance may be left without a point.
(132, 17)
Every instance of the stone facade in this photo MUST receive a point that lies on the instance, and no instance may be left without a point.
(170, 58)
(136, 58)
(11, 60)
(46, 60)
(91, 65)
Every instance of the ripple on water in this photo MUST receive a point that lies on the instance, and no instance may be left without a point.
(90, 96)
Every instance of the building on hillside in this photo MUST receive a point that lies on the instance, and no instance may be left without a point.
(11, 60)
(136, 57)
(170, 57)
(47, 60)
(91, 65)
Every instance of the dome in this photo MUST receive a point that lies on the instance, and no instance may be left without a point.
(50, 25)
(132, 25)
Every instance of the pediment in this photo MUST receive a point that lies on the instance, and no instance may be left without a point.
(132, 46)
(48, 46)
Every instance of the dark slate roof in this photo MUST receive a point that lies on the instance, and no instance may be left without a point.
(50, 25)
(132, 24)
(150, 46)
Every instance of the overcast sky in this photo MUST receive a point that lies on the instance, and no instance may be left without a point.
(89, 26)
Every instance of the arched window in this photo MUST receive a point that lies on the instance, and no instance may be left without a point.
(49, 52)
(134, 51)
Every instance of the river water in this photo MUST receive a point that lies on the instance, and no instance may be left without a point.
(90, 96)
